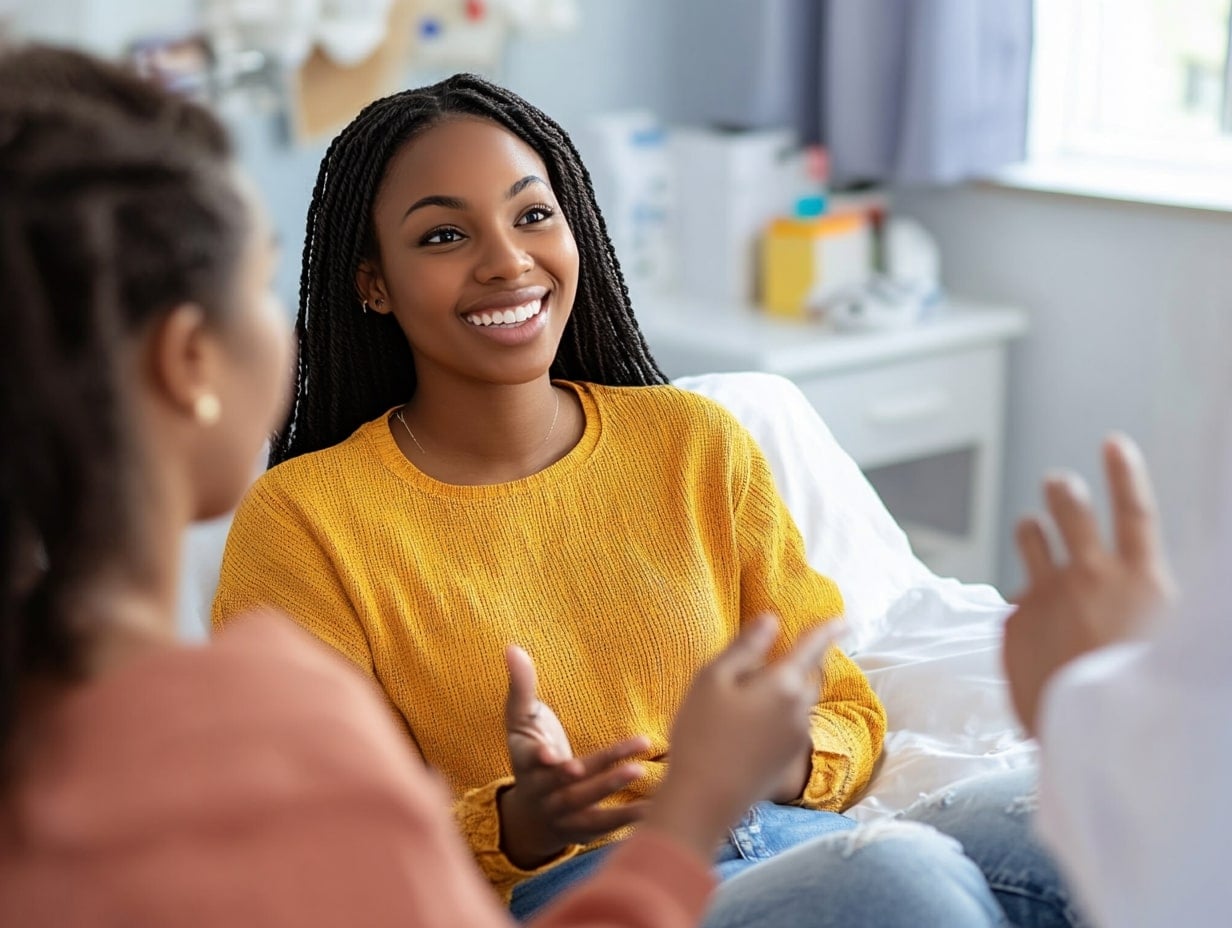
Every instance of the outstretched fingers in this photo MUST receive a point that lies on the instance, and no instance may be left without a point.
(594, 821)
(803, 664)
(1135, 525)
(613, 754)
(747, 652)
(811, 647)
(1034, 550)
(576, 797)
(1069, 504)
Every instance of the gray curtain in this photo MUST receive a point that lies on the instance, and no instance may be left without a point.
(900, 91)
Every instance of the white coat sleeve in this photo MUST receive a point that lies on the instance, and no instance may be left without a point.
(1136, 772)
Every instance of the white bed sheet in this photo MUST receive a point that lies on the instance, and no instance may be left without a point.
(930, 645)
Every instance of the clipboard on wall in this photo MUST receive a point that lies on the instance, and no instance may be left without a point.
(325, 95)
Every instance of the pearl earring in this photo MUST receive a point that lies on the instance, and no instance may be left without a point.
(207, 409)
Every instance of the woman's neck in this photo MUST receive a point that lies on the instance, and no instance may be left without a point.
(125, 612)
(471, 433)
(129, 605)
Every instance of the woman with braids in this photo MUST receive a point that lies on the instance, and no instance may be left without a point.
(481, 450)
(258, 780)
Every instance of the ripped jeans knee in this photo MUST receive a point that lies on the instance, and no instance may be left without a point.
(888, 873)
(991, 817)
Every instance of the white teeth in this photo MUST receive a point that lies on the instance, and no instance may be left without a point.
(512, 316)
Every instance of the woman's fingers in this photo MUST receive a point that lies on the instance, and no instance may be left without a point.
(748, 651)
(1069, 503)
(521, 702)
(552, 777)
(1034, 550)
(575, 797)
(534, 733)
(613, 754)
(810, 648)
(601, 820)
(1133, 501)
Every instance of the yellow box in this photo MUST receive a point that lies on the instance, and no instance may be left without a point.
(806, 261)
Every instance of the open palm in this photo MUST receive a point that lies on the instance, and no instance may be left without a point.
(554, 801)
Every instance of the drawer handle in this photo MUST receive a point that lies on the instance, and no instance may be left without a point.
(909, 408)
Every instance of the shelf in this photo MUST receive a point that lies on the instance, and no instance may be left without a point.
(695, 337)
(919, 408)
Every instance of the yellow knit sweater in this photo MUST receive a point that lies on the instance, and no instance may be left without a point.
(621, 568)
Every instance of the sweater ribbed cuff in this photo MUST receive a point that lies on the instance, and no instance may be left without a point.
(829, 781)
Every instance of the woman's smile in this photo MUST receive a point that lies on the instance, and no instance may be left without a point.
(511, 323)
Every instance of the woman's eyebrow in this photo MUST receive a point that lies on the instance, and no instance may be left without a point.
(437, 199)
(522, 184)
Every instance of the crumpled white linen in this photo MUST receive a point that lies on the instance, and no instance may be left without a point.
(929, 645)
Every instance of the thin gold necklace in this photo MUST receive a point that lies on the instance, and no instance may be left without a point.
(551, 428)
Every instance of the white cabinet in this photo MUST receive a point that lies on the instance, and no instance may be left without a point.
(920, 409)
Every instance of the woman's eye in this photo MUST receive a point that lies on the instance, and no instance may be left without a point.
(441, 237)
(535, 214)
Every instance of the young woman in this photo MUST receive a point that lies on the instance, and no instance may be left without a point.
(482, 450)
(257, 781)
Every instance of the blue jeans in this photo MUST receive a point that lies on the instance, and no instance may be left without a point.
(964, 856)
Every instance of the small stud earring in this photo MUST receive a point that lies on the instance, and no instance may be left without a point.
(207, 409)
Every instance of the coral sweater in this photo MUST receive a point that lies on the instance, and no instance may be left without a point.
(260, 781)
(621, 568)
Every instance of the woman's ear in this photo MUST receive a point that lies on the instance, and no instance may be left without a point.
(186, 363)
(370, 286)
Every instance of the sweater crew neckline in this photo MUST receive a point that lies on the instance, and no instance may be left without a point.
(378, 434)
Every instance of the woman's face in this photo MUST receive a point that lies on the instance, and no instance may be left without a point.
(476, 260)
(253, 384)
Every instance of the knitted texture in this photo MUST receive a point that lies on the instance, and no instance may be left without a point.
(622, 568)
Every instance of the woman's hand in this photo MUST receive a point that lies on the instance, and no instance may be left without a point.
(1097, 594)
(742, 726)
(554, 800)
(795, 778)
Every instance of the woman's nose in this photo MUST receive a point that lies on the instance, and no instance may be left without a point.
(503, 258)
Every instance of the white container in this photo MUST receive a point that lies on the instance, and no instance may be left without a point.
(728, 186)
(628, 160)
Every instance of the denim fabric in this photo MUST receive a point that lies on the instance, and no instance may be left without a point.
(533, 894)
(768, 830)
(991, 818)
(964, 856)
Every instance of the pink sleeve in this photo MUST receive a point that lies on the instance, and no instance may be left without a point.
(369, 837)
(648, 882)
(410, 866)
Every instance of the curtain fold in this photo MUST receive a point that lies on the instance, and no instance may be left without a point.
(900, 91)
(925, 91)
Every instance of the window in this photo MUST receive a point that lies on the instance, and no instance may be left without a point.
(1137, 79)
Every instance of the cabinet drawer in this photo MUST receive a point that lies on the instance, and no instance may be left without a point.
(893, 412)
